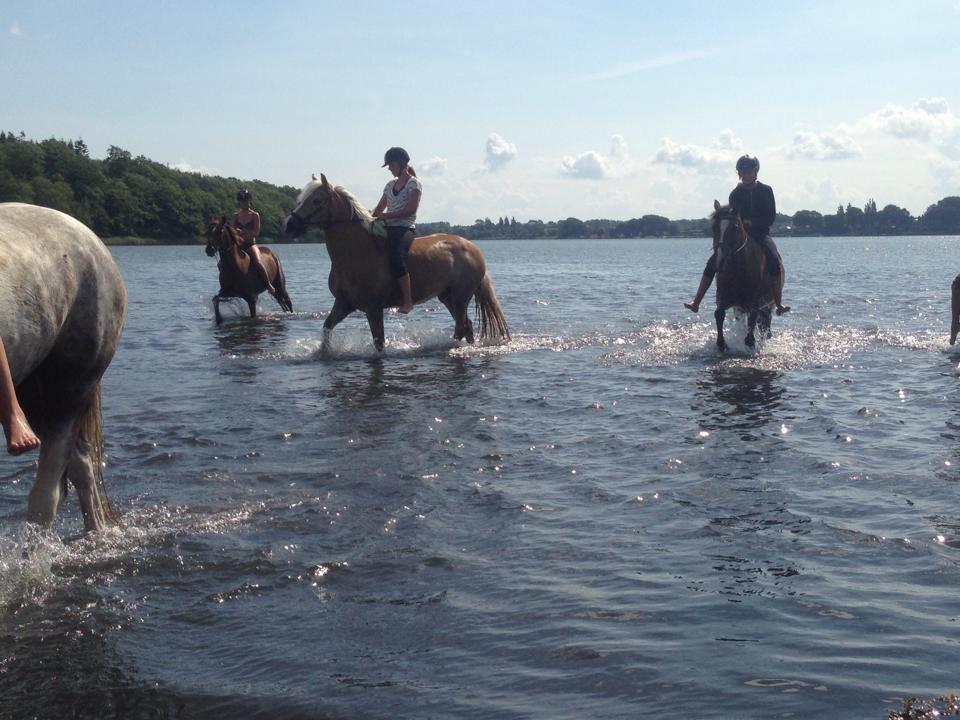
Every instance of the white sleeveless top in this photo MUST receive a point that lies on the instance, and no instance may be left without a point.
(398, 201)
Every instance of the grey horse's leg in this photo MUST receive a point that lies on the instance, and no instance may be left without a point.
(45, 495)
(720, 315)
(97, 514)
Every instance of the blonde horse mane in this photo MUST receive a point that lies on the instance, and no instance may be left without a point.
(357, 209)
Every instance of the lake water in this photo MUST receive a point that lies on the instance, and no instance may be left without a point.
(602, 519)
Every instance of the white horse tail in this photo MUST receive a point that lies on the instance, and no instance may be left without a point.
(493, 323)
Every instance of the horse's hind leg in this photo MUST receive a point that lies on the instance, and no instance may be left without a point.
(720, 315)
(375, 321)
(763, 322)
(463, 328)
(46, 493)
(216, 309)
(750, 340)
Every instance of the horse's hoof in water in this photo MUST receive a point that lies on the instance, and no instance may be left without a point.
(721, 346)
(749, 341)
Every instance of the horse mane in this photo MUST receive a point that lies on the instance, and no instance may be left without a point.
(357, 209)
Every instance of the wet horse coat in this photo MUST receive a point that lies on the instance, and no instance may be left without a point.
(62, 308)
(448, 267)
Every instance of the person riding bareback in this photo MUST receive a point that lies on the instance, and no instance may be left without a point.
(757, 208)
(398, 209)
(246, 221)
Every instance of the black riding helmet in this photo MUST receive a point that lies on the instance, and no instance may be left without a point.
(747, 163)
(395, 153)
(244, 194)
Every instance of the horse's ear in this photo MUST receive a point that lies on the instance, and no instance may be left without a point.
(323, 179)
(716, 205)
(314, 176)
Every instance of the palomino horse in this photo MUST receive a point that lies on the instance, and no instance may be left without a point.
(742, 278)
(448, 267)
(237, 277)
(62, 306)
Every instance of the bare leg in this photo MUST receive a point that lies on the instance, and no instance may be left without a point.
(20, 436)
(778, 300)
(255, 257)
(407, 304)
(705, 281)
(954, 309)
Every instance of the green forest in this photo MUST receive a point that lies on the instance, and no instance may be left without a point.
(127, 199)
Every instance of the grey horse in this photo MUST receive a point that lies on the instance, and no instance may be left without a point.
(62, 308)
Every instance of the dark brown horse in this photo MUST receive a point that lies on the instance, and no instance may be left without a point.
(237, 277)
(742, 278)
(954, 309)
(447, 267)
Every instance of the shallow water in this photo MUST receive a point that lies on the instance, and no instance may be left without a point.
(603, 518)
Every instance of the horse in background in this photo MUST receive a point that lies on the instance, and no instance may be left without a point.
(448, 267)
(742, 278)
(62, 308)
(237, 277)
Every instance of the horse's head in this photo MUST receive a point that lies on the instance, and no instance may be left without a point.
(729, 234)
(315, 206)
(218, 236)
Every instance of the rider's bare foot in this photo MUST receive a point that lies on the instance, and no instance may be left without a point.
(405, 308)
(20, 436)
(692, 307)
(781, 309)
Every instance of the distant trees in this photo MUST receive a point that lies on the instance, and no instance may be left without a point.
(123, 195)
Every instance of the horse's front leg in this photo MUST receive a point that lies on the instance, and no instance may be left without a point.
(341, 308)
(750, 340)
(252, 304)
(375, 320)
(720, 314)
(216, 308)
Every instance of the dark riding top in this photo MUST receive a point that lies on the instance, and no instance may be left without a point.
(756, 204)
(246, 231)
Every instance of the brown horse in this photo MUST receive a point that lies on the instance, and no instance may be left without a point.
(742, 278)
(448, 267)
(237, 277)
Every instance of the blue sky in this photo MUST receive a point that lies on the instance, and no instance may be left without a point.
(537, 110)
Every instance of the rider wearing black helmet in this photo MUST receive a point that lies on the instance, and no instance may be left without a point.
(758, 210)
(398, 208)
(246, 221)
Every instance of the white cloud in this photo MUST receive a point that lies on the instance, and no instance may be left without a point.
(618, 148)
(432, 167)
(651, 63)
(15, 29)
(184, 166)
(499, 152)
(838, 145)
(595, 166)
(926, 119)
(720, 155)
(589, 165)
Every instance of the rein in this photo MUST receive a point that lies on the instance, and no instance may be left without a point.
(308, 220)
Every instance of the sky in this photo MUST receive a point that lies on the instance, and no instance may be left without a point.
(518, 108)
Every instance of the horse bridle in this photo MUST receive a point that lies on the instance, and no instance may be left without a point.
(746, 237)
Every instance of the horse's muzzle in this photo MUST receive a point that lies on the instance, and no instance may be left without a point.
(294, 226)
(210, 250)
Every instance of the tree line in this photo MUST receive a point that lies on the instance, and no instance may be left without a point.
(137, 199)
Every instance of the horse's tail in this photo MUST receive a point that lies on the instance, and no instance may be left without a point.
(90, 434)
(280, 283)
(492, 321)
